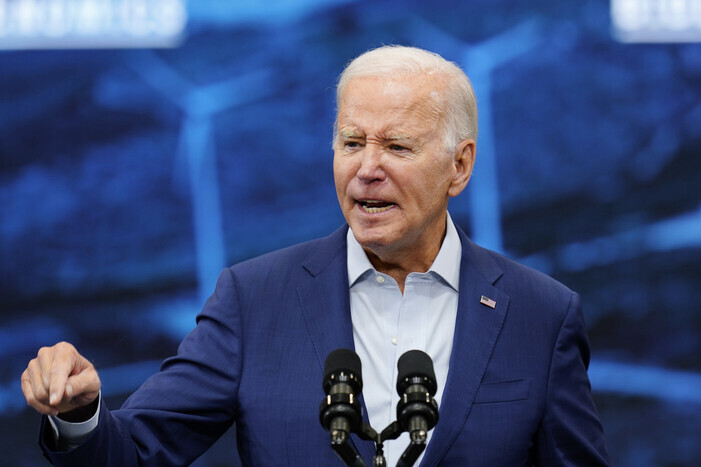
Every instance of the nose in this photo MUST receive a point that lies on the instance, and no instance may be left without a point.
(371, 168)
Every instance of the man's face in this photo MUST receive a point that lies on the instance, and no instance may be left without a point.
(393, 174)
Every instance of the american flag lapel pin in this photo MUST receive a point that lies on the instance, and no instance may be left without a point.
(488, 301)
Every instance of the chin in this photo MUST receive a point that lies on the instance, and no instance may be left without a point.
(370, 239)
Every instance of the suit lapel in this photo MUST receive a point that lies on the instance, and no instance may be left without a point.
(477, 327)
(324, 300)
(325, 306)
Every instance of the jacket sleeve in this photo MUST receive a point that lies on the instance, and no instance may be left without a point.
(181, 410)
(570, 433)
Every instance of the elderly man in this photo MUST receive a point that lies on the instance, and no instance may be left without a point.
(508, 343)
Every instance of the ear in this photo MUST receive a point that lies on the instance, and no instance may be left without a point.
(464, 160)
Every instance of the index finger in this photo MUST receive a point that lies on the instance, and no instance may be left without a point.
(61, 368)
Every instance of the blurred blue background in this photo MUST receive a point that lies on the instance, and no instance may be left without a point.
(141, 152)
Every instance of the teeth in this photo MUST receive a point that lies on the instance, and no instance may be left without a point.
(370, 206)
(370, 210)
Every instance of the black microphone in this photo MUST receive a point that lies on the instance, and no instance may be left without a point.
(417, 411)
(340, 411)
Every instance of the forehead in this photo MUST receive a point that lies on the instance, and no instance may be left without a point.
(410, 99)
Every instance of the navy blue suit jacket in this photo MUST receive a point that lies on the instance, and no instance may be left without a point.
(517, 391)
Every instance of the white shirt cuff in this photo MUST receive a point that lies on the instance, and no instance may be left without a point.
(74, 434)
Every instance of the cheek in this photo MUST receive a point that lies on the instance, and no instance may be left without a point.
(341, 181)
(440, 175)
(433, 187)
(343, 172)
(338, 173)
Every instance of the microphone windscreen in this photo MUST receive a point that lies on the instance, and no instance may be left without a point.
(415, 363)
(343, 360)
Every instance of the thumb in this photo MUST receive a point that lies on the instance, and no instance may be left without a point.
(82, 388)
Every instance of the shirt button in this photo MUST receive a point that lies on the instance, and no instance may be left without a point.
(394, 340)
(380, 279)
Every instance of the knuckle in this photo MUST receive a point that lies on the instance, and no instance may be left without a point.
(33, 400)
(33, 368)
(25, 379)
(39, 392)
(63, 345)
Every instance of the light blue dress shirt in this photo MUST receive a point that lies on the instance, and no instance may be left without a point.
(386, 324)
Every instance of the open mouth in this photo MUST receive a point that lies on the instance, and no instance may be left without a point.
(373, 206)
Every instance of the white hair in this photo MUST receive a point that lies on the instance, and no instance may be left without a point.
(460, 112)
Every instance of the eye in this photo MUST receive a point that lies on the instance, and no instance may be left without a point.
(351, 144)
(397, 147)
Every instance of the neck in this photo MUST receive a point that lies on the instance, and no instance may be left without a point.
(399, 264)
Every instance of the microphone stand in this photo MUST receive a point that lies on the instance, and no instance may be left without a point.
(414, 450)
(340, 445)
(348, 454)
(410, 454)
(350, 457)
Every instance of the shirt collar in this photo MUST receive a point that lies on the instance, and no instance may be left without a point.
(446, 265)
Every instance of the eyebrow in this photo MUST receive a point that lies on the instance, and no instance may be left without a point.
(355, 133)
(399, 138)
(350, 133)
